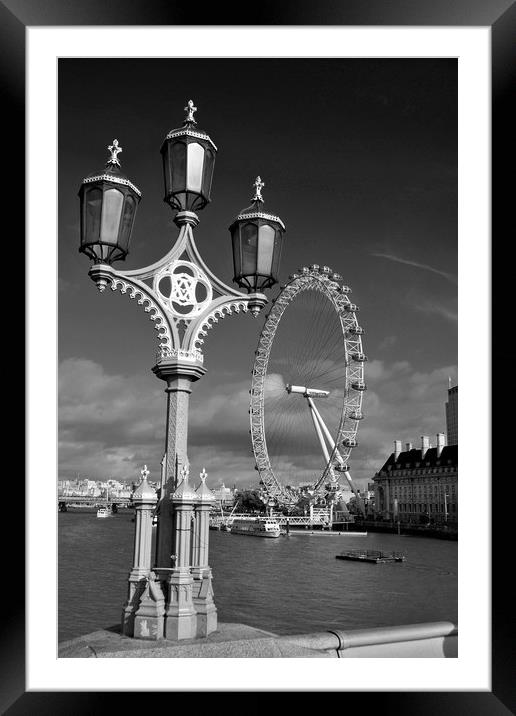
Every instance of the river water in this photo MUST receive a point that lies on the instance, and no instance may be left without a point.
(287, 585)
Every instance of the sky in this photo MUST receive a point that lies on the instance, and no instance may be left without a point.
(359, 159)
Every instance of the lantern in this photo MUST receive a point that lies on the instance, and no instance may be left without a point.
(188, 162)
(257, 238)
(108, 207)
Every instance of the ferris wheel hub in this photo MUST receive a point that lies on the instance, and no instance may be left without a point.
(307, 392)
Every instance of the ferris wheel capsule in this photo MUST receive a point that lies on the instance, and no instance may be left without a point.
(359, 385)
(356, 331)
(350, 442)
(359, 357)
(356, 415)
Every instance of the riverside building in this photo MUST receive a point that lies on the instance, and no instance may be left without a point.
(419, 485)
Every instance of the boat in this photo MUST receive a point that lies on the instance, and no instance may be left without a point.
(255, 526)
(104, 511)
(373, 556)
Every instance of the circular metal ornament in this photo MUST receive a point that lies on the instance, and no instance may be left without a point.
(189, 290)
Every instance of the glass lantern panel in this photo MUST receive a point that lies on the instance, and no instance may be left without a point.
(236, 253)
(265, 250)
(195, 166)
(91, 232)
(127, 222)
(178, 162)
(209, 160)
(249, 245)
(111, 215)
(278, 245)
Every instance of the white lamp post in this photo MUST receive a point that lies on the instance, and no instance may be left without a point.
(179, 292)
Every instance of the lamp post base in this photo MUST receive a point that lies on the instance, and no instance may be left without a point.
(136, 587)
(181, 617)
(149, 620)
(203, 601)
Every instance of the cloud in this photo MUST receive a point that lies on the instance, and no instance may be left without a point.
(110, 425)
(438, 309)
(388, 342)
(416, 264)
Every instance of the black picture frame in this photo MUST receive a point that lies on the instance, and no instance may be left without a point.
(500, 16)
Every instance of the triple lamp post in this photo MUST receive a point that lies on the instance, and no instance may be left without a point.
(170, 594)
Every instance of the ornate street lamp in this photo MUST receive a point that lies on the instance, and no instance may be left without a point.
(257, 237)
(184, 299)
(108, 207)
(188, 163)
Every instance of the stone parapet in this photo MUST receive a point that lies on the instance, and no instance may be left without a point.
(427, 640)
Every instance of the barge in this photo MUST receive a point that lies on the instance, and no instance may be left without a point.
(373, 556)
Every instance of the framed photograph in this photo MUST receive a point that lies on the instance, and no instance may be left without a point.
(419, 88)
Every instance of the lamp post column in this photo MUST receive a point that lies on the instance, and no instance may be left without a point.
(201, 571)
(144, 500)
(181, 617)
(179, 376)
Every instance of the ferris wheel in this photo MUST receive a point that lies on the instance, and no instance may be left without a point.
(307, 389)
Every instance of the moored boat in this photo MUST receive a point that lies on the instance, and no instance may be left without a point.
(103, 512)
(373, 556)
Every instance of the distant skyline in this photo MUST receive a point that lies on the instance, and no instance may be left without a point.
(359, 159)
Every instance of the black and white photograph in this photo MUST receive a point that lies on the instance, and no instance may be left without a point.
(258, 262)
(271, 353)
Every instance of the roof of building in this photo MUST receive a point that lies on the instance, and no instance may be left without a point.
(407, 459)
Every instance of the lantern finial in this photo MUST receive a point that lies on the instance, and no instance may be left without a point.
(115, 150)
(258, 185)
(190, 109)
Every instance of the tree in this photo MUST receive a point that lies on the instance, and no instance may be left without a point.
(249, 500)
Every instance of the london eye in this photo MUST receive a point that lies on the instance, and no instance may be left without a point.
(307, 389)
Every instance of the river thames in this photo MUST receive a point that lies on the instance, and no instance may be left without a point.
(287, 585)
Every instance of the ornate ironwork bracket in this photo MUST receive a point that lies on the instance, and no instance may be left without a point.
(183, 297)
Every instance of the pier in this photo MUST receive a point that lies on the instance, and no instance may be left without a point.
(320, 518)
(87, 501)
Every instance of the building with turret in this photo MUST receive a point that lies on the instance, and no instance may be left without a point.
(418, 485)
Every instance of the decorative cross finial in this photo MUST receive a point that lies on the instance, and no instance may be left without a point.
(185, 471)
(114, 149)
(190, 109)
(203, 475)
(144, 472)
(258, 185)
